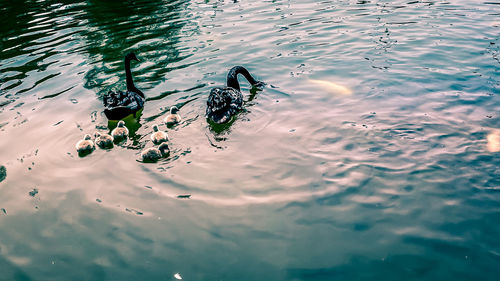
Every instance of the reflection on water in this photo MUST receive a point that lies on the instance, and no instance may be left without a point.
(372, 153)
(494, 141)
(148, 28)
(332, 87)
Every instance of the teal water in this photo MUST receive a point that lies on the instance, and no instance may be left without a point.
(371, 154)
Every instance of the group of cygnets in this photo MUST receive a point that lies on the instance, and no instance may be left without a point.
(222, 104)
(120, 134)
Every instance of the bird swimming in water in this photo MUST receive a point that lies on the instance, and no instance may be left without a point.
(173, 118)
(103, 140)
(120, 132)
(158, 136)
(153, 154)
(223, 103)
(85, 146)
(122, 104)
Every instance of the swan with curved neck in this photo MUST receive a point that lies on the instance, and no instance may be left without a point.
(128, 74)
(122, 104)
(223, 103)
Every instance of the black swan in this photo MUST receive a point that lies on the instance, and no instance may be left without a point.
(223, 103)
(121, 104)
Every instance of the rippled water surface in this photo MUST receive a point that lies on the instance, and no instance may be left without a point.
(371, 154)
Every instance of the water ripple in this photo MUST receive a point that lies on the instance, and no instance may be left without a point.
(372, 152)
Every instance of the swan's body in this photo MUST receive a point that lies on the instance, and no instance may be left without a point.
(225, 102)
(85, 146)
(158, 136)
(121, 104)
(120, 132)
(103, 140)
(153, 154)
(174, 117)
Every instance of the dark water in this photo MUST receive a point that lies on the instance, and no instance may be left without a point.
(372, 154)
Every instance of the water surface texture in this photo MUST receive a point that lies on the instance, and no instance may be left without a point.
(371, 154)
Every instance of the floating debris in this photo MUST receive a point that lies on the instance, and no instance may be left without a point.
(34, 192)
(178, 276)
(3, 173)
(184, 196)
(332, 87)
(139, 213)
(93, 116)
(58, 123)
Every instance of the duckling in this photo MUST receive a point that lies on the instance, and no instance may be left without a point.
(158, 136)
(174, 117)
(120, 132)
(103, 140)
(85, 146)
(153, 154)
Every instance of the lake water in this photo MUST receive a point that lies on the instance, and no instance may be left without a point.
(371, 154)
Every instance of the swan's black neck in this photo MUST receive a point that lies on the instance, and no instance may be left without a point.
(232, 77)
(130, 83)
